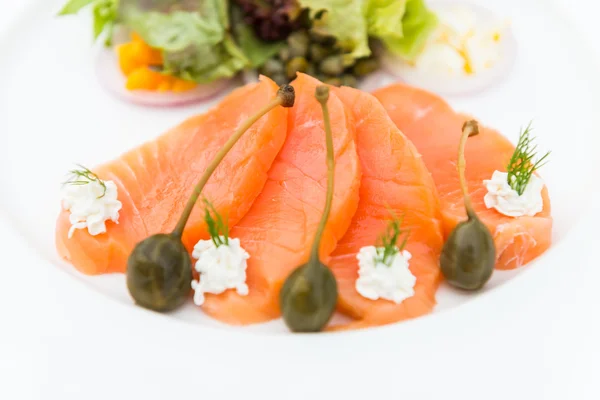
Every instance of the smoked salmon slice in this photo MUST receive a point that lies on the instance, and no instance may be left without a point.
(435, 129)
(395, 178)
(279, 229)
(155, 180)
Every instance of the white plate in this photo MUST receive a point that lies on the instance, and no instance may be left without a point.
(54, 114)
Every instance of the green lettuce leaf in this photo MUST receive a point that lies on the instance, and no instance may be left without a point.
(256, 50)
(343, 19)
(196, 45)
(178, 30)
(205, 64)
(384, 18)
(417, 23)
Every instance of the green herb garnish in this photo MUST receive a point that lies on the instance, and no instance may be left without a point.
(387, 244)
(521, 166)
(217, 227)
(104, 11)
(84, 176)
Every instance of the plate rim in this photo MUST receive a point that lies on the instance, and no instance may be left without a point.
(97, 297)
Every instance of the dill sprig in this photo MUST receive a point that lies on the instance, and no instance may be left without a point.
(84, 176)
(522, 165)
(387, 244)
(217, 227)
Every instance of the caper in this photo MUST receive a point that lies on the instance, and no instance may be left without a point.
(319, 35)
(284, 54)
(333, 81)
(318, 52)
(272, 67)
(159, 269)
(295, 65)
(365, 67)
(349, 80)
(468, 256)
(346, 46)
(298, 44)
(332, 65)
(308, 296)
(279, 79)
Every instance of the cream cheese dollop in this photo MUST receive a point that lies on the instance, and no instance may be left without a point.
(504, 199)
(220, 268)
(91, 204)
(376, 280)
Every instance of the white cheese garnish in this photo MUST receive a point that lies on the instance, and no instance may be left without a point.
(91, 205)
(380, 281)
(221, 268)
(507, 201)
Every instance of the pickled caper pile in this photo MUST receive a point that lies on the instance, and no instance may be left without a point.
(319, 56)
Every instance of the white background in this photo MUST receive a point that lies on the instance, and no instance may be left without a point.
(548, 348)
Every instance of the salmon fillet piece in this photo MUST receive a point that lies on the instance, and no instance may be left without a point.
(435, 129)
(393, 177)
(155, 180)
(279, 229)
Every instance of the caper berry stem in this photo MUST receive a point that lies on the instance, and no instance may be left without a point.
(322, 95)
(470, 128)
(285, 97)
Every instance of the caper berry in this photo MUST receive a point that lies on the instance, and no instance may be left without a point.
(296, 64)
(468, 256)
(298, 44)
(308, 298)
(332, 65)
(309, 294)
(365, 67)
(159, 273)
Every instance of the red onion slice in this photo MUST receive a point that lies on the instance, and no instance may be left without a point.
(458, 85)
(113, 80)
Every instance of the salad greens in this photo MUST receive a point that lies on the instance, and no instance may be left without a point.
(205, 40)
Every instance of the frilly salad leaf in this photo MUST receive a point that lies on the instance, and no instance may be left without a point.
(343, 19)
(105, 15)
(178, 30)
(196, 45)
(402, 25)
